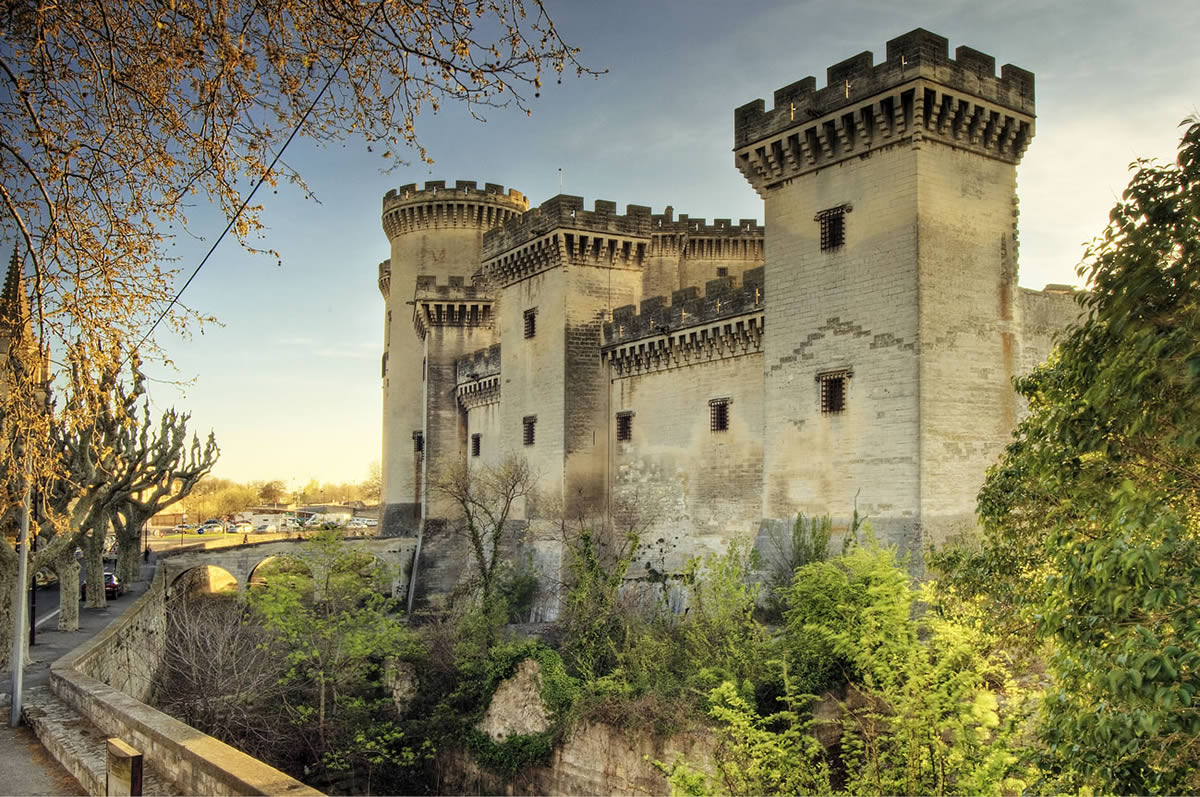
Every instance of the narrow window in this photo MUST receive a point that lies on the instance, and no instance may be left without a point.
(530, 323)
(833, 227)
(528, 423)
(833, 390)
(474, 445)
(722, 271)
(418, 442)
(383, 365)
(625, 426)
(718, 414)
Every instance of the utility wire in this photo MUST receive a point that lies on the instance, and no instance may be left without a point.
(271, 168)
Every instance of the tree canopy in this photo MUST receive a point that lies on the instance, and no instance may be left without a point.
(1092, 519)
(116, 117)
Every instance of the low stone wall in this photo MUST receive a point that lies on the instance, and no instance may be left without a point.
(104, 680)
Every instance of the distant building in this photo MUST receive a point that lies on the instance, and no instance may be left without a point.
(856, 349)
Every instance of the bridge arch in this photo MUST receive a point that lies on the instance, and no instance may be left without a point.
(242, 560)
(201, 577)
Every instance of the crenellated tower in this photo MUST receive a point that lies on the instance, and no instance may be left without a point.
(436, 231)
(559, 270)
(890, 335)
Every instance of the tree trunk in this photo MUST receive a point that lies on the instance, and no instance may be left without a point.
(129, 545)
(8, 583)
(66, 567)
(129, 562)
(93, 561)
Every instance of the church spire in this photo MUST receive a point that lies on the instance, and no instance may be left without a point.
(12, 299)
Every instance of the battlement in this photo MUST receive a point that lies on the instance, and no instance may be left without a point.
(455, 288)
(916, 54)
(437, 190)
(687, 308)
(567, 212)
(455, 304)
(666, 223)
(477, 377)
(385, 278)
(409, 208)
(478, 364)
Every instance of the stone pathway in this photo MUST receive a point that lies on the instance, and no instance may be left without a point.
(26, 766)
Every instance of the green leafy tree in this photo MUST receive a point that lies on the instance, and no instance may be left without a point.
(335, 624)
(1092, 519)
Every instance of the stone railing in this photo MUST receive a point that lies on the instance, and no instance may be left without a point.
(106, 679)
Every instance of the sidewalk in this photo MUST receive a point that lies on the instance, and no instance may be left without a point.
(26, 768)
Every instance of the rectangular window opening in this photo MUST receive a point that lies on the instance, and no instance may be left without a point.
(530, 323)
(722, 271)
(833, 390)
(528, 423)
(833, 227)
(418, 442)
(718, 414)
(475, 440)
(624, 426)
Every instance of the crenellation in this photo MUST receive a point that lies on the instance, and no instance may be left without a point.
(385, 279)
(849, 113)
(567, 212)
(478, 364)
(687, 308)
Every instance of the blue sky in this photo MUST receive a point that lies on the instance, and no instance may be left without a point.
(289, 380)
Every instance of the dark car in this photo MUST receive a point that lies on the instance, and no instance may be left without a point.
(112, 587)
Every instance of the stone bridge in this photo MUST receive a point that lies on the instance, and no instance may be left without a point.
(240, 561)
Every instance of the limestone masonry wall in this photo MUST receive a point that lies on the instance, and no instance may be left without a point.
(853, 352)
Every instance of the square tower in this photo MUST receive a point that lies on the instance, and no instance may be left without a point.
(890, 339)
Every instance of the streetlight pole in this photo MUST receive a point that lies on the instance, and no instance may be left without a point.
(20, 603)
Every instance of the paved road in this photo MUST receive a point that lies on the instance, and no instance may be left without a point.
(26, 768)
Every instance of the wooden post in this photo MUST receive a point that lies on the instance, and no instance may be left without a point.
(123, 775)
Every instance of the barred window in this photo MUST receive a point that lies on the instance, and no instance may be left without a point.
(531, 323)
(474, 445)
(718, 414)
(625, 426)
(722, 271)
(528, 423)
(833, 386)
(418, 442)
(833, 227)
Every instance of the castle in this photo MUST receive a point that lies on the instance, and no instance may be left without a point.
(854, 351)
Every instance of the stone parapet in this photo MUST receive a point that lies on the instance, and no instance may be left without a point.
(687, 308)
(478, 364)
(560, 232)
(698, 240)
(453, 304)
(385, 279)
(918, 92)
(918, 53)
(435, 206)
(478, 377)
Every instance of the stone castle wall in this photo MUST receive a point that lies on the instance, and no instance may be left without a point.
(865, 365)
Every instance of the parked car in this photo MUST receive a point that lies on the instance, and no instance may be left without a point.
(241, 527)
(212, 527)
(264, 528)
(112, 587)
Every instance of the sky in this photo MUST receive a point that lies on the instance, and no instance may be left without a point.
(289, 379)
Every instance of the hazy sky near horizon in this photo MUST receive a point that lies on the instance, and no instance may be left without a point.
(290, 379)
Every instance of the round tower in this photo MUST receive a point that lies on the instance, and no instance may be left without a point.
(435, 231)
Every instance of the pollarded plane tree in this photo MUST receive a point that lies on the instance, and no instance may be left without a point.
(115, 116)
